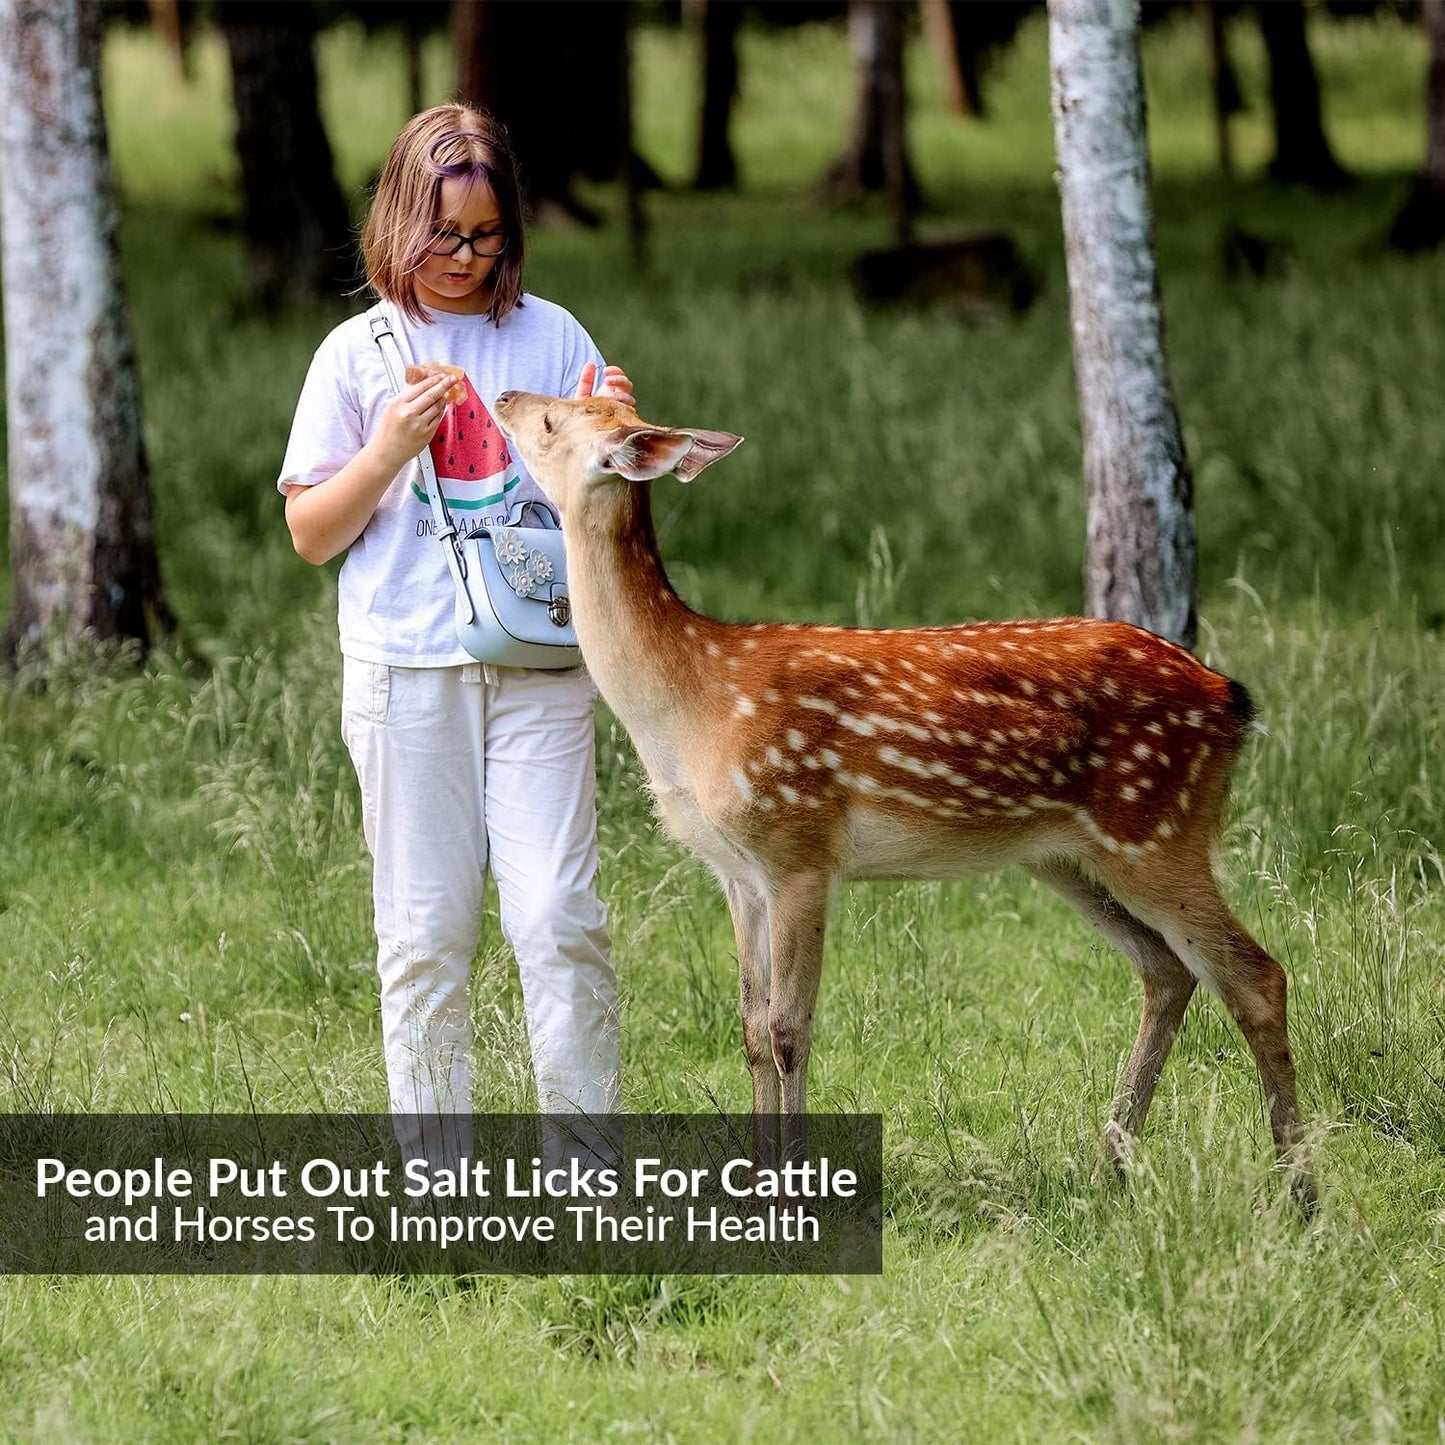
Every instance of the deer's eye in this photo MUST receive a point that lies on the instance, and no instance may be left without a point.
(546, 422)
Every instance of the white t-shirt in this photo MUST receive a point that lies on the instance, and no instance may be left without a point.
(395, 594)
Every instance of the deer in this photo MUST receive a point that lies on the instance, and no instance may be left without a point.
(790, 757)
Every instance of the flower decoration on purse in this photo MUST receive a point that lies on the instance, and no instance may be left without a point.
(524, 572)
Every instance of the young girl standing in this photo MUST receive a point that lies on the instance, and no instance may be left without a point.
(462, 766)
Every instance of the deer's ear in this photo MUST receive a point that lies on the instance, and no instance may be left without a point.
(708, 447)
(644, 453)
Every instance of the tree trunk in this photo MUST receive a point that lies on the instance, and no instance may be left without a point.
(1224, 81)
(82, 542)
(295, 223)
(558, 92)
(959, 96)
(1421, 222)
(716, 167)
(412, 38)
(875, 32)
(1302, 154)
(1141, 545)
(634, 220)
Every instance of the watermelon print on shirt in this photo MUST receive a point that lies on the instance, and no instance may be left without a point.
(472, 460)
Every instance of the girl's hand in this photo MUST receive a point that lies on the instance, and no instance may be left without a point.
(614, 383)
(410, 420)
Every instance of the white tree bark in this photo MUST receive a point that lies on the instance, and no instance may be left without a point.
(1141, 545)
(81, 545)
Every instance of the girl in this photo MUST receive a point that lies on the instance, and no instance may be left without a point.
(462, 766)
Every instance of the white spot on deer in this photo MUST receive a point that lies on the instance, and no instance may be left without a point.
(774, 757)
(788, 795)
(856, 725)
(1129, 793)
(819, 704)
(733, 661)
(1025, 686)
(1109, 687)
(796, 740)
(751, 644)
(830, 758)
(772, 695)
(812, 764)
(746, 706)
(689, 630)
(766, 804)
(1136, 654)
(1165, 830)
(740, 780)
(1184, 799)
(1143, 751)
(1194, 718)
(1059, 699)
(1154, 728)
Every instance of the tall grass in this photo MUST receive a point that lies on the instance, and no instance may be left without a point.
(184, 911)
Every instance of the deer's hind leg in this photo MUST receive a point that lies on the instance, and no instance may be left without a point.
(1168, 987)
(1200, 929)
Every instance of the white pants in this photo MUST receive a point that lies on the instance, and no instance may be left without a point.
(459, 773)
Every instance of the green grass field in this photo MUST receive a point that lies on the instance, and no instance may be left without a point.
(184, 906)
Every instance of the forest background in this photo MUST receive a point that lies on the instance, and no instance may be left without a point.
(184, 912)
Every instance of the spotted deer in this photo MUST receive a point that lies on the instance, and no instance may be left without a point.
(1093, 754)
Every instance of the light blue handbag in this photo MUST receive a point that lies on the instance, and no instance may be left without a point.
(512, 607)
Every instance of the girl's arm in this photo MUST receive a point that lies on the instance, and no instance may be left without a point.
(327, 518)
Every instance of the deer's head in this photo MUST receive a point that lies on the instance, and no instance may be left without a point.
(573, 447)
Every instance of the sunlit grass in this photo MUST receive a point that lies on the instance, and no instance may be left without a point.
(184, 911)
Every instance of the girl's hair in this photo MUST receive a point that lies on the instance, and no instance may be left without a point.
(447, 142)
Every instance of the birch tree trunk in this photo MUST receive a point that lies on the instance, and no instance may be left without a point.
(1141, 546)
(82, 545)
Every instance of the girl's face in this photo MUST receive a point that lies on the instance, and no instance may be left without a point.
(463, 282)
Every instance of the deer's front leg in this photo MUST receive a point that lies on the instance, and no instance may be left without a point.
(797, 917)
(749, 909)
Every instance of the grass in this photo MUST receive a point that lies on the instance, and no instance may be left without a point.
(184, 919)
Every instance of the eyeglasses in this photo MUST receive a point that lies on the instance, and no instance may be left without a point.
(484, 243)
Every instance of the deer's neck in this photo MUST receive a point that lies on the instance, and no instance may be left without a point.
(646, 650)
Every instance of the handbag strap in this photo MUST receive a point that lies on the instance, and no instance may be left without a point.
(391, 356)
